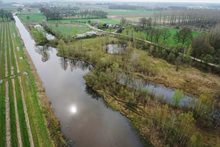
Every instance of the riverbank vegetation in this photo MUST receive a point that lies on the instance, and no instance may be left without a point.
(153, 118)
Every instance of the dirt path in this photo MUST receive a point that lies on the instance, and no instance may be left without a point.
(14, 95)
(23, 100)
(7, 105)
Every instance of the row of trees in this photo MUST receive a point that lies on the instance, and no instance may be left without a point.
(5, 15)
(125, 7)
(162, 35)
(56, 13)
(200, 18)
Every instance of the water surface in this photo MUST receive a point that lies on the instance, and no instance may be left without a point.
(85, 120)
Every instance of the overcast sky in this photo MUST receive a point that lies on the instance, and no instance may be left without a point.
(194, 1)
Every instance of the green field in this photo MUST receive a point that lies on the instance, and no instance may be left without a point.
(107, 20)
(33, 17)
(129, 12)
(36, 17)
(2, 86)
(69, 29)
(12, 49)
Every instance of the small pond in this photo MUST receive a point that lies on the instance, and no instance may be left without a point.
(160, 92)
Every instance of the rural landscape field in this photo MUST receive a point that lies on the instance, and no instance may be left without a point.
(109, 73)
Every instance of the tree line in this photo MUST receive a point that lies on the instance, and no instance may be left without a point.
(200, 18)
(125, 7)
(5, 15)
(146, 31)
(56, 13)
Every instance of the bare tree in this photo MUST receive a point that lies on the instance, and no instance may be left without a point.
(143, 22)
(201, 46)
(214, 37)
(123, 21)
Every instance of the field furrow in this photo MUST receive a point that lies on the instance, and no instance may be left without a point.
(7, 101)
(22, 119)
(16, 115)
(25, 117)
(2, 88)
(13, 118)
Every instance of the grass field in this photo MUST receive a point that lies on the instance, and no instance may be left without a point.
(130, 12)
(2, 86)
(33, 17)
(170, 42)
(69, 29)
(36, 17)
(12, 49)
(107, 20)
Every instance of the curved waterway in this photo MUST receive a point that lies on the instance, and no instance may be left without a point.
(85, 119)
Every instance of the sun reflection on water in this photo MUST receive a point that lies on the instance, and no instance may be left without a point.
(73, 109)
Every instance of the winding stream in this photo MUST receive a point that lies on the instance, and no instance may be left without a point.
(85, 120)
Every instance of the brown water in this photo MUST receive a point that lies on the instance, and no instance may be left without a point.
(85, 120)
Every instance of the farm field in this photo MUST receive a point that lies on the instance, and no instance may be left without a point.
(37, 17)
(22, 122)
(129, 12)
(69, 29)
(65, 27)
(34, 17)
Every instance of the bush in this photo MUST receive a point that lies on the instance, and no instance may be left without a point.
(177, 97)
(39, 36)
